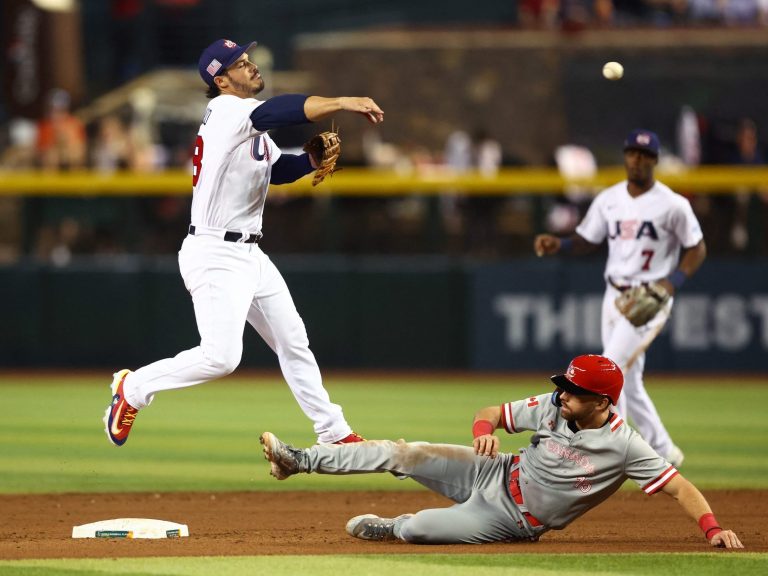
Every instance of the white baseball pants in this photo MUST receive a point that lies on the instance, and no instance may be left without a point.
(626, 344)
(231, 283)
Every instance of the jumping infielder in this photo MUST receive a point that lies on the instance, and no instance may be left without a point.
(580, 454)
(229, 277)
(646, 225)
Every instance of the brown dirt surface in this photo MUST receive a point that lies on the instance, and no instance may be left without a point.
(272, 523)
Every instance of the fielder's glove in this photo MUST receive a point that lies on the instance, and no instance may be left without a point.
(325, 149)
(639, 304)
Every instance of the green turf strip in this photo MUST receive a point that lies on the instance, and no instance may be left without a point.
(206, 437)
(704, 564)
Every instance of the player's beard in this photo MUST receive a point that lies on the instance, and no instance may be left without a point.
(567, 414)
(251, 88)
(578, 413)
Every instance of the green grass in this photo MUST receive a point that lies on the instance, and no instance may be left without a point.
(706, 564)
(206, 437)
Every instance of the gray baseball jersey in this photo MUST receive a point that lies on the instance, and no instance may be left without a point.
(565, 472)
(561, 475)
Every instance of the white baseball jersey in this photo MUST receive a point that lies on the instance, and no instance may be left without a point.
(645, 233)
(232, 165)
(564, 474)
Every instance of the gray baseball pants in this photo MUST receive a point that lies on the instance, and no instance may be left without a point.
(484, 510)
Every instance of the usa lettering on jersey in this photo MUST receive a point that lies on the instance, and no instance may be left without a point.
(632, 230)
(260, 149)
(644, 233)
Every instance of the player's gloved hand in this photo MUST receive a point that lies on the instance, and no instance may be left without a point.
(486, 445)
(640, 304)
(726, 539)
(324, 150)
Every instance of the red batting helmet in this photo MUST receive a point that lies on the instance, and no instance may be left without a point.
(592, 374)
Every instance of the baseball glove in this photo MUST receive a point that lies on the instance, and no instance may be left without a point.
(639, 304)
(325, 149)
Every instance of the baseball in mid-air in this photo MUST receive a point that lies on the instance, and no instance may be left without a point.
(613, 70)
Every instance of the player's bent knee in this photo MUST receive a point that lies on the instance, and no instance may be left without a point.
(224, 364)
(227, 365)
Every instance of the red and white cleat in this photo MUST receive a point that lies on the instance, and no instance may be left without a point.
(119, 417)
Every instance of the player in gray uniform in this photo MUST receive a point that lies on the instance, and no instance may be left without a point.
(580, 454)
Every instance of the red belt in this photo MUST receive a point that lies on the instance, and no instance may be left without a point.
(517, 496)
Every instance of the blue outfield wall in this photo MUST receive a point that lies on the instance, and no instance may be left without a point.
(532, 313)
(383, 313)
(126, 312)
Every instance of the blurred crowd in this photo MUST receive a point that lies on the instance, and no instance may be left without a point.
(60, 141)
(486, 226)
(576, 14)
(496, 226)
(480, 226)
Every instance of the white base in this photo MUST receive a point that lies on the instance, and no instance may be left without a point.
(130, 528)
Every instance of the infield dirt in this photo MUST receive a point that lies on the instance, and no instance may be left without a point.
(290, 522)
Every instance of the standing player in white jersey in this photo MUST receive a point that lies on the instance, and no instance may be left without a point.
(580, 453)
(647, 226)
(229, 277)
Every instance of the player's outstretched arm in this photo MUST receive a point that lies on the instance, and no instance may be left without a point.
(485, 442)
(697, 507)
(317, 107)
(549, 245)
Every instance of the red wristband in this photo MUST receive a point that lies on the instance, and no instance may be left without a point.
(709, 525)
(481, 428)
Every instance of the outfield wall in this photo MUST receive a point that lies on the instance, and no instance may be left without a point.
(428, 313)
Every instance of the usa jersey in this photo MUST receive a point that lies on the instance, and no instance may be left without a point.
(232, 165)
(563, 474)
(644, 234)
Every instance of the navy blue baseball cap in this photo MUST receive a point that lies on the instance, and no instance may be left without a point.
(218, 57)
(644, 140)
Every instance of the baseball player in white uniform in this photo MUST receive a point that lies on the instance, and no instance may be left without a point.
(230, 279)
(647, 226)
(581, 452)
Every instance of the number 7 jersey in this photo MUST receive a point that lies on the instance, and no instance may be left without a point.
(645, 233)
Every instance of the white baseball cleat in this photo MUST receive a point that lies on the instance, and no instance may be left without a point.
(372, 527)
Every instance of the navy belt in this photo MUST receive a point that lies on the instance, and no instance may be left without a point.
(618, 287)
(231, 236)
